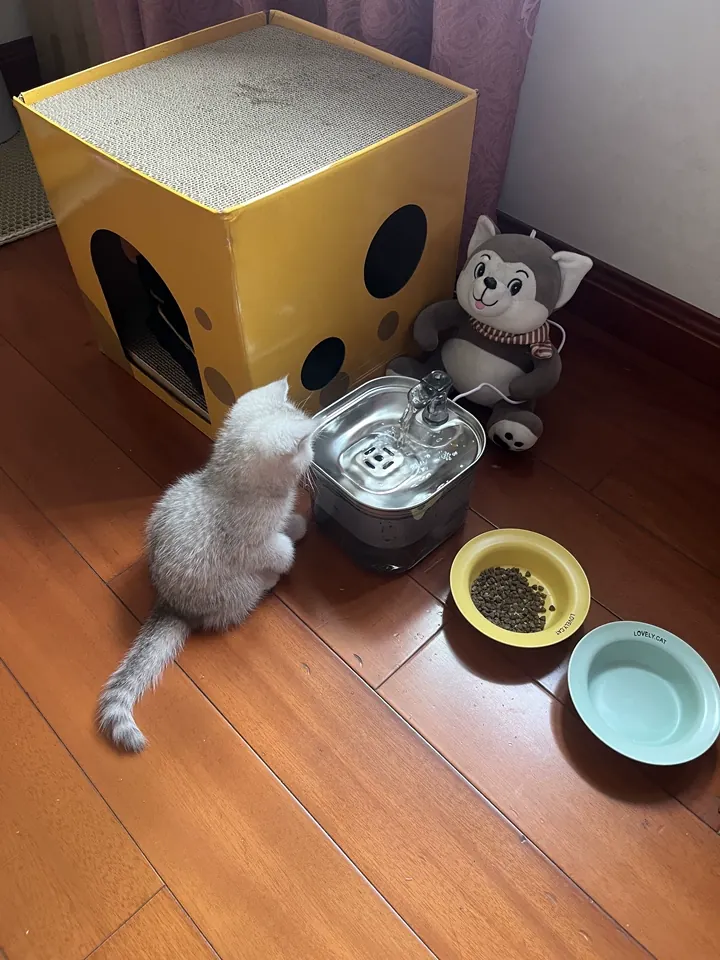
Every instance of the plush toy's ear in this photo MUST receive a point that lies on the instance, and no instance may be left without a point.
(484, 229)
(573, 267)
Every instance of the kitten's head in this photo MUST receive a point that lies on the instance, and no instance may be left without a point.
(266, 436)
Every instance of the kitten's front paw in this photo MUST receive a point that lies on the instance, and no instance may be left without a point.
(296, 527)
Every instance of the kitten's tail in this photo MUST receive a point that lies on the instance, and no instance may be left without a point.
(161, 638)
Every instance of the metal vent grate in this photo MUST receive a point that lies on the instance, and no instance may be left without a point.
(231, 120)
(381, 459)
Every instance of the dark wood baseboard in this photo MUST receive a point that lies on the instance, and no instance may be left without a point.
(19, 65)
(669, 329)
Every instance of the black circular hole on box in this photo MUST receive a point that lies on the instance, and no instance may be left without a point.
(395, 251)
(322, 363)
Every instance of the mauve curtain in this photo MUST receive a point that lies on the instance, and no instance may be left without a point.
(65, 34)
(481, 43)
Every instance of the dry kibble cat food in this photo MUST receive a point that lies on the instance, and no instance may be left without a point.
(507, 598)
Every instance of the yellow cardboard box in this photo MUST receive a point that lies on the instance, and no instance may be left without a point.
(347, 223)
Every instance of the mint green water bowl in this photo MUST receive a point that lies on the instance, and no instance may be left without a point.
(645, 692)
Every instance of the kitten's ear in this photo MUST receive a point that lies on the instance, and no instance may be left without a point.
(275, 390)
(279, 389)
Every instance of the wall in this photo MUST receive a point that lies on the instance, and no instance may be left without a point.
(13, 20)
(616, 147)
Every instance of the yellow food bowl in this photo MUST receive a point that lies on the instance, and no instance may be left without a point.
(551, 566)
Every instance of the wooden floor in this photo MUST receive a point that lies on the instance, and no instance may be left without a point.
(353, 773)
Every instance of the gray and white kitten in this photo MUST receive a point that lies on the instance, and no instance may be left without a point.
(217, 541)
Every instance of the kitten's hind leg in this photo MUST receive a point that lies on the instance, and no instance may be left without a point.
(296, 527)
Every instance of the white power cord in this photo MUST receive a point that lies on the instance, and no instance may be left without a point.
(467, 393)
(461, 396)
(562, 331)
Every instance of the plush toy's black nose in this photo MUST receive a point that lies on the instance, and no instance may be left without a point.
(490, 282)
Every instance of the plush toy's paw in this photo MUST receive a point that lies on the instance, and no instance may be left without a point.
(425, 331)
(512, 435)
(427, 340)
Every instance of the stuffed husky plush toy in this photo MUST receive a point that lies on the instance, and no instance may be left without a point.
(497, 332)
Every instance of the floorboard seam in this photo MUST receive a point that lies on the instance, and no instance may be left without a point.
(281, 782)
(12, 346)
(656, 536)
(77, 763)
(117, 929)
(302, 806)
(11, 480)
(524, 837)
(407, 660)
(445, 761)
(194, 924)
(638, 526)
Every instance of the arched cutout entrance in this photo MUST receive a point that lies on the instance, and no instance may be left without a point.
(149, 323)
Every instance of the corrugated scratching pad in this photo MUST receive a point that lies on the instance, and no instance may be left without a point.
(229, 121)
(24, 208)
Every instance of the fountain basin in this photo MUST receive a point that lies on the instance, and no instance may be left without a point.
(386, 496)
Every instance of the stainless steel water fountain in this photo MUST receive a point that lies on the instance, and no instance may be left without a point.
(393, 470)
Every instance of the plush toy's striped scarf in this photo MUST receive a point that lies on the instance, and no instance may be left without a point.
(538, 339)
